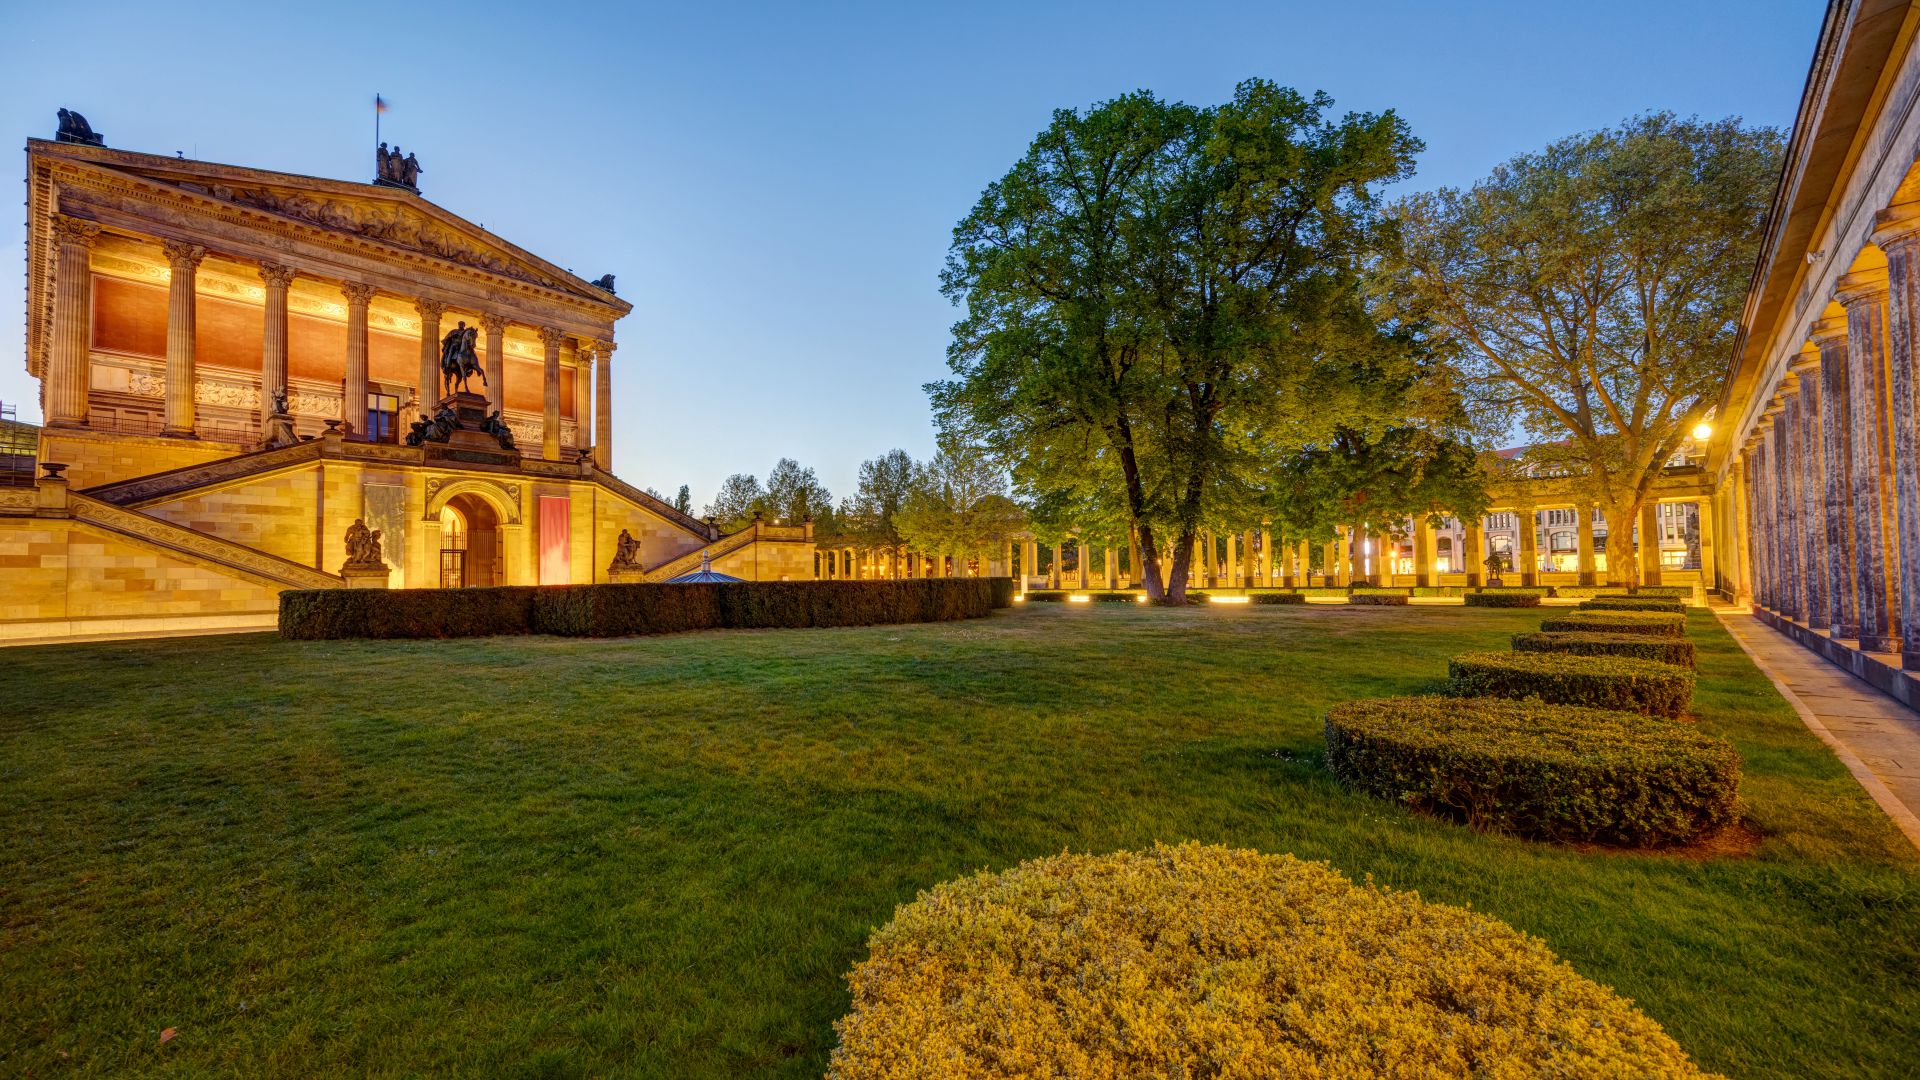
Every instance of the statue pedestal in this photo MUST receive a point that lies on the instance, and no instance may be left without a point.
(366, 577)
(626, 576)
(468, 442)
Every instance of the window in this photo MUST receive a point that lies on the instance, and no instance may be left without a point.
(382, 413)
(453, 549)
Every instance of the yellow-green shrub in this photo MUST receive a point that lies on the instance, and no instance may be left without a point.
(1201, 961)
(1634, 603)
(1561, 678)
(1675, 651)
(1507, 598)
(1651, 623)
(1557, 772)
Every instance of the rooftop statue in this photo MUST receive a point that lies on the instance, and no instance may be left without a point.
(75, 129)
(396, 171)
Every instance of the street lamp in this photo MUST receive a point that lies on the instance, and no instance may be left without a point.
(1702, 431)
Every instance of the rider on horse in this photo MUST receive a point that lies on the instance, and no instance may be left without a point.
(458, 358)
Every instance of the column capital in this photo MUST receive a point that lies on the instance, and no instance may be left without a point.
(183, 257)
(276, 275)
(1829, 331)
(1897, 225)
(429, 309)
(603, 349)
(68, 229)
(1861, 286)
(493, 322)
(1807, 363)
(359, 294)
(552, 336)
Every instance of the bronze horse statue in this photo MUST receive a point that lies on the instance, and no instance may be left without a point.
(459, 359)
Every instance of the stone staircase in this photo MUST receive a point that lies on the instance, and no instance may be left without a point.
(239, 559)
(688, 563)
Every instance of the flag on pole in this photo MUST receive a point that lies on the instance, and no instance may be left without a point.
(380, 104)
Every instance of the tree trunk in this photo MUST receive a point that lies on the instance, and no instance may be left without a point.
(1183, 544)
(1149, 569)
(1623, 561)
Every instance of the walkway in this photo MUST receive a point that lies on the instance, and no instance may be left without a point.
(1876, 737)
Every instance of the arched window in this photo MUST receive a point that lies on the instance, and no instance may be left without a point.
(453, 549)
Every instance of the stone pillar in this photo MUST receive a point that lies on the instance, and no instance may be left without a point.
(353, 392)
(1899, 235)
(493, 327)
(183, 261)
(1529, 546)
(1233, 560)
(1791, 498)
(1583, 535)
(1053, 571)
(1739, 531)
(1704, 510)
(429, 388)
(1266, 556)
(1836, 467)
(1113, 567)
(273, 338)
(69, 364)
(1475, 555)
(1085, 561)
(1650, 542)
(551, 337)
(1813, 494)
(1299, 575)
(1424, 572)
(603, 405)
(1356, 540)
(1876, 556)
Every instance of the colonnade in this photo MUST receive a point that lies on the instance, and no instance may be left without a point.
(1828, 472)
(69, 360)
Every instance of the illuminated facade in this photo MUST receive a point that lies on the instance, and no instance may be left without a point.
(230, 361)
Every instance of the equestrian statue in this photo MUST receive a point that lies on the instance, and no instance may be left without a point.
(459, 360)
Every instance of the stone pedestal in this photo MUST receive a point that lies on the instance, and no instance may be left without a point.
(626, 576)
(365, 577)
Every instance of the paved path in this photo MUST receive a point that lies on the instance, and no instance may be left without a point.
(1876, 737)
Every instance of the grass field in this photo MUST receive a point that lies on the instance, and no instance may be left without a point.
(659, 857)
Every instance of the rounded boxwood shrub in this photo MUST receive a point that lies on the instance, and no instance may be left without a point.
(1502, 598)
(1675, 651)
(1198, 960)
(1575, 592)
(1650, 623)
(1553, 772)
(1604, 682)
(1278, 598)
(1379, 599)
(1634, 603)
(1683, 592)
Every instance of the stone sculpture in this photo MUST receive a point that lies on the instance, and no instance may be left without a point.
(363, 547)
(496, 426)
(626, 553)
(75, 129)
(460, 357)
(397, 171)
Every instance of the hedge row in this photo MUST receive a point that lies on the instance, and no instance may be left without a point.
(1548, 771)
(1502, 599)
(1198, 960)
(1650, 623)
(1379, 599)
(617, 610)
(1559, 678)
(1576, 592)
(1675, 651)
(1634, 603)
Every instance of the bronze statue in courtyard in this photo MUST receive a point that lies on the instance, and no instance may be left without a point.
(460, 357)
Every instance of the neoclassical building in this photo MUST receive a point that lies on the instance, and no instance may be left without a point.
(234, 365)
(1817, 451)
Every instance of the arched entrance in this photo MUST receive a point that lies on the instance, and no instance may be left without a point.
(470, 548)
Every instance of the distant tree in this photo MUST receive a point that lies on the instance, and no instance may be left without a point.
(683, 501)
(870, 517)
(1593, 292)
(958, 505)
(794, 494)
(1166, 296)
(739, 496)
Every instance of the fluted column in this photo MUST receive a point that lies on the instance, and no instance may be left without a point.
(273, 338)
(1876, 558)
(1899, 236)
(429, 390)
(1813, 493)
(493, 327)
(1741, 527)
(1836, 468)
(1779, 503)
(183, 263)
(550, 397)
(603, 405)
(1583, 542)
(353, 395)
(1792, 499)
(68, 374)
(1529, 546)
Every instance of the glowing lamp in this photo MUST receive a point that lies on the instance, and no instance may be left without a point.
(1702, 431)
(1079, 598)
(1141, 599)
(1227, 599)
(1020, 598)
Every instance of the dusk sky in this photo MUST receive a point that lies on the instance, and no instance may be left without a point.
(775, 185)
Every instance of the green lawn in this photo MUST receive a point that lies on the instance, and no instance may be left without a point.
(658, 857)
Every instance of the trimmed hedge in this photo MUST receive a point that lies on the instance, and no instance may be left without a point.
(1684, 592)
(1439, 590)
(1199, 960)
(1650, 623)
(1279, 598)
(1575, 592)
(1513, 590)
(1633, 603)
(1603, 682)
(1045, 596)
(1675, 651)
(619, 610)
(1502, 599)
(1381, 590)
(1379, 599)
(1547, 771)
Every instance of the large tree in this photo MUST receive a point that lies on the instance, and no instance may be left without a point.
(870, 517)
(795, 494)
(958, 505)
(733, 506)
(1593, 290)
(1159, 299)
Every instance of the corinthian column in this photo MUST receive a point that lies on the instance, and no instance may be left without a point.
(353, 396)
(495, 328)
(429, 390)
(67, 367)
(273, 339)
(1813, 495)
(183, 261)
(1899, 235)
(550, 399)
(1791, 498)
(603, 405)
(1877, 558)
(1836, 468)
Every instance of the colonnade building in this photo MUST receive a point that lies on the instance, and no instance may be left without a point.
(235, 365)
(1817, 449)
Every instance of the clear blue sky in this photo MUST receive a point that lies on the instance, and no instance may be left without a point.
(775, 184)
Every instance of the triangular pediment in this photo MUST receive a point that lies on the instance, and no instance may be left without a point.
(387, 215)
